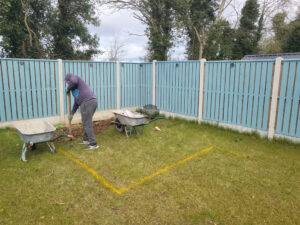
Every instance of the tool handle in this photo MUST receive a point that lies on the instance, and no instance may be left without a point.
(69, 103)
(69, 109)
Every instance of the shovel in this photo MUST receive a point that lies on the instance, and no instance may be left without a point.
(69, 108)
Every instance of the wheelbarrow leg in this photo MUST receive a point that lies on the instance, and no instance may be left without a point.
(23, 153)
(128, 132)
(51, 146)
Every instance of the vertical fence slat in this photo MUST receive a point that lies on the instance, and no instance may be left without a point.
(282, 97)
(181, 91)
(2, 94)
(12, 89)
(231, 90)
(289, 95)
(261, 95)
(217, 91)
(176, 79)
(6, 90)
(256, 95)
(102, 86)
(23, 89)
(48, 88)
(38, 88)
(235, 93)
(222, 92)
(251, 94)
(240, 93)
(210, 89)
(227, 81)
(52, 79)
(246, 94)
(33, 88)
(18, 89)
(267, 95)
(295, 115)
(196, 91)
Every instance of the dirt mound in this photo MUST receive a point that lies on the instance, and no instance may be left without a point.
(77, 129)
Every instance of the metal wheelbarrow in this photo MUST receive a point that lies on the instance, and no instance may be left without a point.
(37, 132)
(126, 118)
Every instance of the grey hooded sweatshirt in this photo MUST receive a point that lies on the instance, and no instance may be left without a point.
(80, 90)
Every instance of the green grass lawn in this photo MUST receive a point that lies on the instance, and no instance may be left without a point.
(213, 188)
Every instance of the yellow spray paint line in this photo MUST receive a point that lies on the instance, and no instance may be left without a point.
(167, 168)
(120, 191)
(98, 177)
(105, 183)
(232, 152)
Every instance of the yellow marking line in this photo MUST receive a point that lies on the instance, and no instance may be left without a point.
(232, 152)
(120, 191)
(167, 168)
(98, 177)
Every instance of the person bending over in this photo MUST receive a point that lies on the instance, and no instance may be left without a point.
(86, 100)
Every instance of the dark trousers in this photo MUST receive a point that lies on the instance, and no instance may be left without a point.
(87, 109)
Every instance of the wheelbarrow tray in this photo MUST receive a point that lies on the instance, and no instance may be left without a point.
(129, 118)
(36, 132)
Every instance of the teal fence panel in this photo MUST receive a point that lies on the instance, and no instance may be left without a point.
(177, 87)
(29, 89)
(101, 78)
(146, 84)
(238, 92)
(135, 84)
(288, 113)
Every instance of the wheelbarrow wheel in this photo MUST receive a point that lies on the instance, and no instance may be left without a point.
(119, 127)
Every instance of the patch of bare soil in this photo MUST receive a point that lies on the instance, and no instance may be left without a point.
(77, 129)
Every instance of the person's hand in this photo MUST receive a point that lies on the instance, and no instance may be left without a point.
(70, 117)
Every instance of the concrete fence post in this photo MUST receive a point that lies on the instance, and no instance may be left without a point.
(274, 101)
(61, 91)
(153, 82)
(118, 86)
(201, 87)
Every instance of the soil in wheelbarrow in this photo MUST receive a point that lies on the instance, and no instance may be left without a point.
(77, 129)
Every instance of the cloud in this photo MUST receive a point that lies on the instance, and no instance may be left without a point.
(121, 25)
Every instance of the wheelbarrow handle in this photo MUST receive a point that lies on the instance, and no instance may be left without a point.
(63, 135)
(157, 118)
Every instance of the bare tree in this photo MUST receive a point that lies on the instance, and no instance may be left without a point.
(223, 5)
(116, 50)
(269, 8)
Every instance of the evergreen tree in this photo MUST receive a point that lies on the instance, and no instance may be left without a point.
(248, 34)
(287, 36)
(293, 40)
(159, 29)
(219, 43)
(71, 39)
(44, 29)
(23, 27)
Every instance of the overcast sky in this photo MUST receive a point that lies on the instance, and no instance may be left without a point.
(118, 25)
(121, 25)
